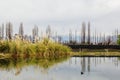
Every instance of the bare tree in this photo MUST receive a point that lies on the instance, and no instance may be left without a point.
(88, 33)
(56, 36)
(83, 33)
(104, 38)
(9, 31)
(2, 31)
(108, 40)
(6, 31)
(48, 32)
(21, 31)
(100, 38)
(95, 37)
(35, 32)
(75, 36)
(70, 36)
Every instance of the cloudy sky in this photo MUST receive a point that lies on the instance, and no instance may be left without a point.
(61, 15)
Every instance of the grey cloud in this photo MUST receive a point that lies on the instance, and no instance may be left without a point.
(60, 13)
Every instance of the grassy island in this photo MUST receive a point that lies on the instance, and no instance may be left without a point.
(45, 48)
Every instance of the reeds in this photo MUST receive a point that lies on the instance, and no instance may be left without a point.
(44, 48)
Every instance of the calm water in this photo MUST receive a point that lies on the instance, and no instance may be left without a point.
(75, 68)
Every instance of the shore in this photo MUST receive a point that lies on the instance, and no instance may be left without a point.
(72, 54)
(95, 54)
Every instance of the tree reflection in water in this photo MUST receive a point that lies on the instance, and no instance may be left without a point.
(87, 62)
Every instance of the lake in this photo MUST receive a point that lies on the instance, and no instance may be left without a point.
(73, 68)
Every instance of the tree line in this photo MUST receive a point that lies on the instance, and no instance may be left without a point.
(86, 37)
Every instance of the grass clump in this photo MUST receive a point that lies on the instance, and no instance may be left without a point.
(44, 48)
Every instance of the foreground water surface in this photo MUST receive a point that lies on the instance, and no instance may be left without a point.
(74, 68)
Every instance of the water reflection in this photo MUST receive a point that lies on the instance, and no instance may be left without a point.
(87, 62)
(19, 63)
(75, 68)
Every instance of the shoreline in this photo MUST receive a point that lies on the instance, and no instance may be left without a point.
(71, 54)
(95, 54)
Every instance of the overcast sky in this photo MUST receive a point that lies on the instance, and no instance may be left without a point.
(61, 15)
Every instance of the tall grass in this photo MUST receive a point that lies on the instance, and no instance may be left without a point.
(44, 48)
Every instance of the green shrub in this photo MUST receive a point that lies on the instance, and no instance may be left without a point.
(118, 41)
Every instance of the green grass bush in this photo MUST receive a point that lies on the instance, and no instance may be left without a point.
(44, 48)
